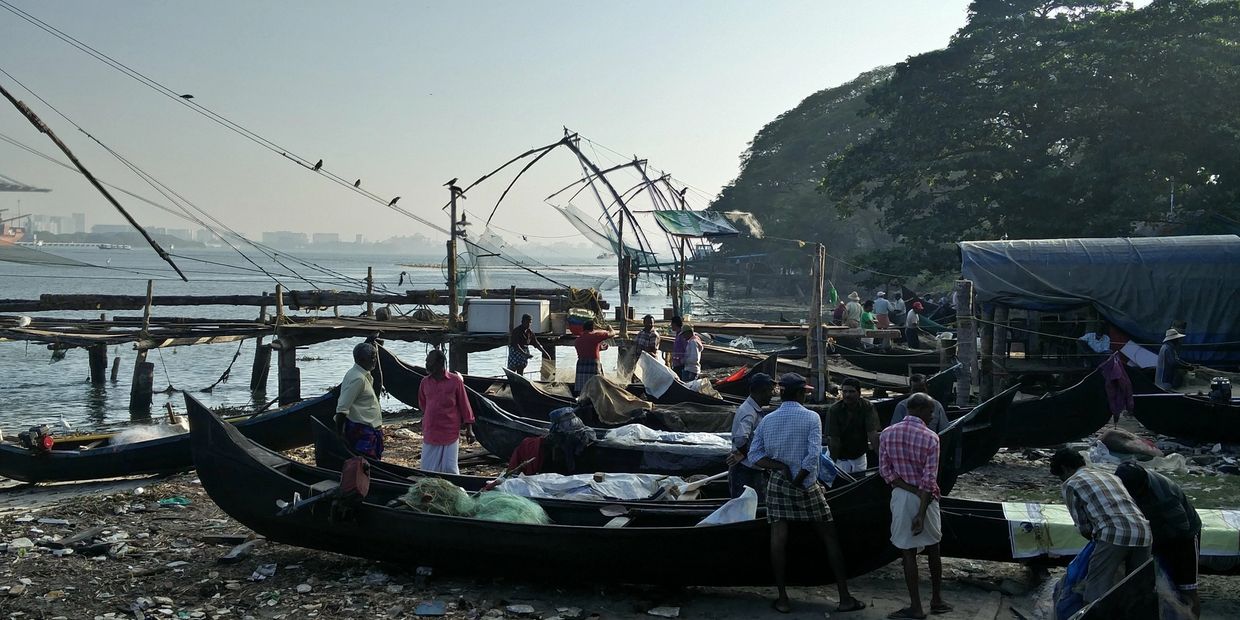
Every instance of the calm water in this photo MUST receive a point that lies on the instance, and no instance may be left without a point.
(37, 389)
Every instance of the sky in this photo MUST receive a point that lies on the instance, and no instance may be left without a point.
(407, 95)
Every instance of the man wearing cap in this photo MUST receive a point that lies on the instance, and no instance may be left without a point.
(1167, 376)
(852, 428)
(445, 413)
(741, 473)
(912, 321)
(882, 310)
(357, 408)
(648, 338)
(519, 343)
(908, 460)
(852, 310)
(788, 443)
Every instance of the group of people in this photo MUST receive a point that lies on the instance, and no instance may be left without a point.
(881, 313)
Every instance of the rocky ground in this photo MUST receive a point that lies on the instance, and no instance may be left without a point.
(159, 548)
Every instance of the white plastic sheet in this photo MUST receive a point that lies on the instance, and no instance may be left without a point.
(654, 375)
(584, 486)
(736, 510)
(636, 435)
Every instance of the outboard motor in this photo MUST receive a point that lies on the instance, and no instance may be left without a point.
(38, 439)
(1220, 390)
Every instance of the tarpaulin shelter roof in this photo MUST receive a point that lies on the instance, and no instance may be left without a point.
(695, 224)
(1140, 285)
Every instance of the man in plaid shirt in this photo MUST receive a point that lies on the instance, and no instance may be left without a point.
(788, 442)
(648, 338)
(1105, 513)
(908, 459)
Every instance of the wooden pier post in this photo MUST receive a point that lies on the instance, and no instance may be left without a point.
(279, 305)
(98, 363)
(262, 366)
(985, 375)
(814, 348)
(116, 368)
(370, 290)
(512, 308)
(998, 355)
(290, 376)
(142, 388)
(454, 191)
(966, 341)
(458, 358)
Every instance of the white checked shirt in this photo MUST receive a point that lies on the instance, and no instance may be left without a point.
(791, 435)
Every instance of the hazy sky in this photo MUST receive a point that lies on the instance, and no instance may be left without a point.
(407, 95)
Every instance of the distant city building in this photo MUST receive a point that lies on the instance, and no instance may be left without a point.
(319, 238)
(156, 230)
(79, 222)
(284, 238)
(110, 228)
(359, 239)
(179, 233)
(203, 235)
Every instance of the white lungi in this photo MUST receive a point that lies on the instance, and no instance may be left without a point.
(441, 459)
(904, 507)
(852, 466)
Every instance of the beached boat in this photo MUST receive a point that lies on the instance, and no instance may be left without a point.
(245, 481)
(94, 457)
(1186, 416)
(1059, 417)
(894, 359)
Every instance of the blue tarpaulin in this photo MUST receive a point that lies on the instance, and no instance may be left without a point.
(1140, 285)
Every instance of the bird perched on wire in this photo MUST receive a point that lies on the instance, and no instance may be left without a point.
(451, 183)
(187, 96)
(393, 203)
(357, 183)
(318, 165)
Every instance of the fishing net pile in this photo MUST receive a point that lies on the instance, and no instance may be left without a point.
(440, 497)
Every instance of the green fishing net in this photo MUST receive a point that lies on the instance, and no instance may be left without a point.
(440, 497)
(501, 506)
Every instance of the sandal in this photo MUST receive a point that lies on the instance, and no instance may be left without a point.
(906, 613)
(852, 605)
(940, 608)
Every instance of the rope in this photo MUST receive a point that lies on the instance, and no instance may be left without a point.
(224, 377)
(168, 378)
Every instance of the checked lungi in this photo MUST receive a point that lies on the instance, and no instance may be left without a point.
(364, 439)
(787, 501)
(518, 359)
(585, 370)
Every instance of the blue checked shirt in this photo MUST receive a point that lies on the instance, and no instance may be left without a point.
(791, 435)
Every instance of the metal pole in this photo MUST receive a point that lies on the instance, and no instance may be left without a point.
(452, 303)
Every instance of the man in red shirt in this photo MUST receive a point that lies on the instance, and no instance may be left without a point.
(445, 411)
(908, 459)
(588, 345)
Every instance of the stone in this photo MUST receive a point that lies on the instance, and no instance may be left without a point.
(395, 588)
(520, 610)
(304, 588)
(18, 544)
(49, 521)
(492, 614)
(17, 590)
(664, 612)
(376, 578)
(162, 600)
(569, 613)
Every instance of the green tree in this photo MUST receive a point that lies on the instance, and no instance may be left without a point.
(1051, 119)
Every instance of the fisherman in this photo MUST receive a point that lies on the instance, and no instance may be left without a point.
(445, 413)
(908, 460)
(742, 473)
(648, 338)
(882, 310)
(1167, 375)
(1095, 344)
(693, 354)
(1105, 513)
(519, 342)
(917, 385)
(1175, 523)
(357, 408)
(852, 310)
(678, 345)
(837, 315)
(897, 309)
(588, 345)
(852, 428)
(912, 321)
(787, 443)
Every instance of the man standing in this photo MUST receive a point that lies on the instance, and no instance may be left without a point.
(852, 310)
(1175, 523)
(1105, 513)
(588, 345)
(445, 412)
(788, 443)
(837, 315)
(648, 338)
(912, 323)
(357, 408)
(908, 460)
(852, 428)
(882, 310)
(519, 343)
(1166, 375)
(897, 310)
(917, 385)
(678, 345)
(691, 362)
(742, 473)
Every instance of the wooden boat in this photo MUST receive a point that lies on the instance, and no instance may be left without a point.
(532, 401)
(1059, 417)
(867, 378)
(895, 360)
(245, 480)
(1186, 416)
(78, 458)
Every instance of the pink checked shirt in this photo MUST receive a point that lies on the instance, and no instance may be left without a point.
(909, 451)
(445, 408)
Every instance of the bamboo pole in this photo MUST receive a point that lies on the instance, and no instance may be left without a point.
(370, 290)
(966, 341)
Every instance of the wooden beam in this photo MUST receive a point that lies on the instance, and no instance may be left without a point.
(966, 341)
